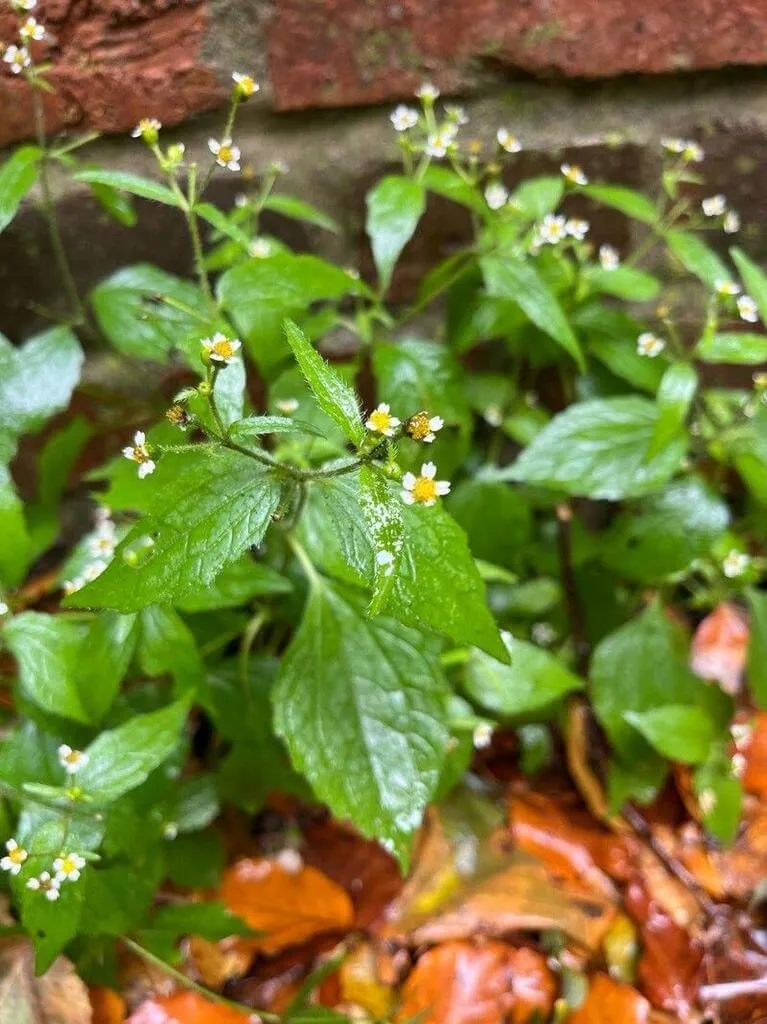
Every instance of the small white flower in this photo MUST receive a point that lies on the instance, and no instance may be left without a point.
(456, 114)
(748, 309)
(72, 586)
(423, 427)
(735, 564)
(147, 129)
(260, 248)
(220, 348)
(403, 118)
(47, 885)
(741, 733)
(226, 153)
(577, 228)
(170, 831)
(68, 867)
(731, 224)
(574, 174)
(482, 736)
(493, 415)
(287, 406)
(71, 760)
(246, 85)
(241, 200)
(707, 801)
(714, 206)
(290, 861)
(139, 452)
(496, 195)
(508, 142)
(649, 344)
(727, 288)
(423, 489)
(543, 634)
(381, 421)
(552, 229)
(4, 609)
(609, 258)
(428, 92)
(693, 152)
(32, 31)
(14, 858)
(738, 764)
(102, 545)
(20, 6)
(673, 145)
(94, 569)
(439, 142)
(17, 58)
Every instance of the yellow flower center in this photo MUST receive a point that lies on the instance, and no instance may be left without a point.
(225, 154)
(223, 347)
(17, 856)
(247, 85)
(68, 865)
(424, 489)
(74, 756)
(418, 426)
(381, 420)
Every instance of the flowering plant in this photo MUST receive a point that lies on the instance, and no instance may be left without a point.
(294, 594)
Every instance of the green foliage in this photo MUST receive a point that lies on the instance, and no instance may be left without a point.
(17, 176)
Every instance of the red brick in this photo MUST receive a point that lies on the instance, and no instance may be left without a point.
(342, 52)
(114, 61)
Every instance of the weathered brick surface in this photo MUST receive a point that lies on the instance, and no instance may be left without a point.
(114, 61)
(343, 52)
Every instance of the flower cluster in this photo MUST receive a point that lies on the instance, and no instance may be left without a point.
(101, 544)
(717, 207)
(689, 150)
(555, 228)
(67, 867)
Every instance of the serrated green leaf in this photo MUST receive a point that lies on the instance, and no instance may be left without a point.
(256, 426)
(623, 282)
(297, 209)
(754, 279)
(722, 815)
(599, 449)
(520, 282)
(334, 396)
(117, 205)
(211, 920)
(55, 464)
(394, 208)
(414, 375)
(382, 510)
(37, 379)
(102, 661)
(675, 395)
(124, 181)
(695, 256)
(496, 518)
(678, 731)
(733, 347)
(530, 684)
(612, 339)
(17, 176)
(16, 547)
(46, 648)
(627, 200)
(199, 523)
(368, 695)
(167, 645)
(121, 759)
(223, 224)
(235, 585)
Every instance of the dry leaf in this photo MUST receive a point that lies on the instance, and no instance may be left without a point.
(215, 963)
(288, 906)
(719, 647)
(108, 1006)
(361, 985)
(668, 892)
(57, 997)
(611, 1002)
(755, 751)
(185, 1008)
(460, 983)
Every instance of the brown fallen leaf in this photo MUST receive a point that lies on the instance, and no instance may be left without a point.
(611, 1002)
(361, 985)
(57, 997)
(719, 647)
(755, 751)
(185, 1008)
(215, 963)
(107, 1005)
(461, 983)
(288, 905)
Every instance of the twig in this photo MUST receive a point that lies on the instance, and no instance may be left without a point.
(567, 576)
(723, 990)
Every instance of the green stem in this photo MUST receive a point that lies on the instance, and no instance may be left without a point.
(252, 630)
(186, 982)
(315, 580)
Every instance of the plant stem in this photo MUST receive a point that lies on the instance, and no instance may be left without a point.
(182, 979)
(312, 575)
(51, 217)
(566, 575)
(194, 234)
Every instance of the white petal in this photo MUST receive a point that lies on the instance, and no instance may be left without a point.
(428, 469)
(6, 864)
(11, 845)
(428, 438)
(443, 487)
(436, 423)
(58, 864)
(394, 421)
(408, 498)
(408, 481)
(139, 437)
(33, 883)
(214, 146)
(145, 469)
(64, 750)
(383, 407)
(235, 344)
(128, 453)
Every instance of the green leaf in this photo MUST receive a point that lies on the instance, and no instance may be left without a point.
(624, 282)
(117, 898)
(113, 202)
(121, 759)
(46, 648)
(333, 394)
(382, 509)
(229, 392)
(17, 176)
(102, 661)
(538, 196)
(130, 309)
(445, 182)
(166, 644)
(212, 921)
(297, 209)
(627, 200)
(599, 449)
(124, 181)
(261, 294)
(734, 347)
(394, 208)
(641, 667)
(612, 339)
(55, 465)
(529, 685)
(414, 375)
(256, 426)
(235, 585)
(496, 518)
(716, 779)
(695, 256)
(223, 224)
(16, 547)
(666, 532)
(37, 379)
(520, 282)
(748, 450)
(675, 394)
(678, 731)
(200, 521)
(757, 646)
(754, 279)
(368, 695)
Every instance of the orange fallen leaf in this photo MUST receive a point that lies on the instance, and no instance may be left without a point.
(185, 1008)
(215, 963)
(611, 1002)
(288, 906)
(720, 646)
(361, 985)
(460, 983)
(108, 1006)
(755, 751)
